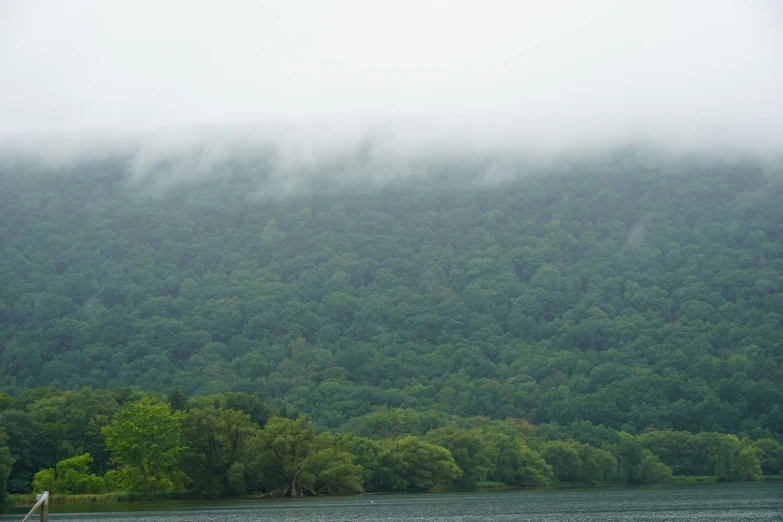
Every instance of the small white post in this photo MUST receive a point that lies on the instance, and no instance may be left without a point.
(45, 507)
(42, 501)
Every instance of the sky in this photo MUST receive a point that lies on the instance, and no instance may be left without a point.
(555, 73)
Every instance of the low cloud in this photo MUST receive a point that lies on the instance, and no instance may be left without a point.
(374, 89)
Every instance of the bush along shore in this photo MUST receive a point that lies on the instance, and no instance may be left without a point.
(131, 446)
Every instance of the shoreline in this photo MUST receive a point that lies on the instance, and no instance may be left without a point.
(28, 499)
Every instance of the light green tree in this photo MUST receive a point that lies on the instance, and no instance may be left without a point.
(517, 464)
(144, 439)
(69, 476)
(411, 463)
(749, 464)
(652, 470)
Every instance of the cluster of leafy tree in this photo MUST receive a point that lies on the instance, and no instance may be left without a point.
(70, 476)
(232, 444)
(579, 451)
(633, 290)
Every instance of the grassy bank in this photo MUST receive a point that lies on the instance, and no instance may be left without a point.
(30, 499)
(118, 496)
(488, 484)
(694, 479)
(60, 499)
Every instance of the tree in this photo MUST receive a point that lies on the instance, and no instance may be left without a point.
(652, 471)
(144, 439)
(721, 453)
(410, 463)
(581, 463)
(770, 455)
(333, 472)
(749, 464)
(518, 465)
(471, 452)
(69, 476)
(216, 442)
(293, 460)
(6, 463)
(598, 465)
(25, 455)
(564, 459)
(177, 400)
(637, 464)
(281, 452)
(258, 411)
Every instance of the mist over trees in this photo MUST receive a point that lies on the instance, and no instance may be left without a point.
(631, 294)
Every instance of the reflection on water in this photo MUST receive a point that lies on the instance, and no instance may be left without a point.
(696, 503)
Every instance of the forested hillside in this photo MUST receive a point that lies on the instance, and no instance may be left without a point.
(634, 290)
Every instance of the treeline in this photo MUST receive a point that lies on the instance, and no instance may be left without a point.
(95, 441)
(632, 290)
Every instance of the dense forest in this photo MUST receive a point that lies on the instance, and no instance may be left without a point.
(142, 446)
(636, 293)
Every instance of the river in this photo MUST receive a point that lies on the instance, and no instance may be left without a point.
(709, 502)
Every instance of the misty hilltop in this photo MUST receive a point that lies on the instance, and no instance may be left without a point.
(703, 71)
(635, 289)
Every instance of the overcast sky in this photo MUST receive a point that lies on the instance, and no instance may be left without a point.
(566, 70)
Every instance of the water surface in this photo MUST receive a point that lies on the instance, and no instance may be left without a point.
(694, 503)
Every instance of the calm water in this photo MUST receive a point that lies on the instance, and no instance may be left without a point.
(715, 502)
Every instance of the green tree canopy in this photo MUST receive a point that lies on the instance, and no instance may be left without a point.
(291, 459)
(69, 476)
(144, 439)
(6, 463)
(217, 443)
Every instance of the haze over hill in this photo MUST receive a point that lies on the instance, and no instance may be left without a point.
(510, 77)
